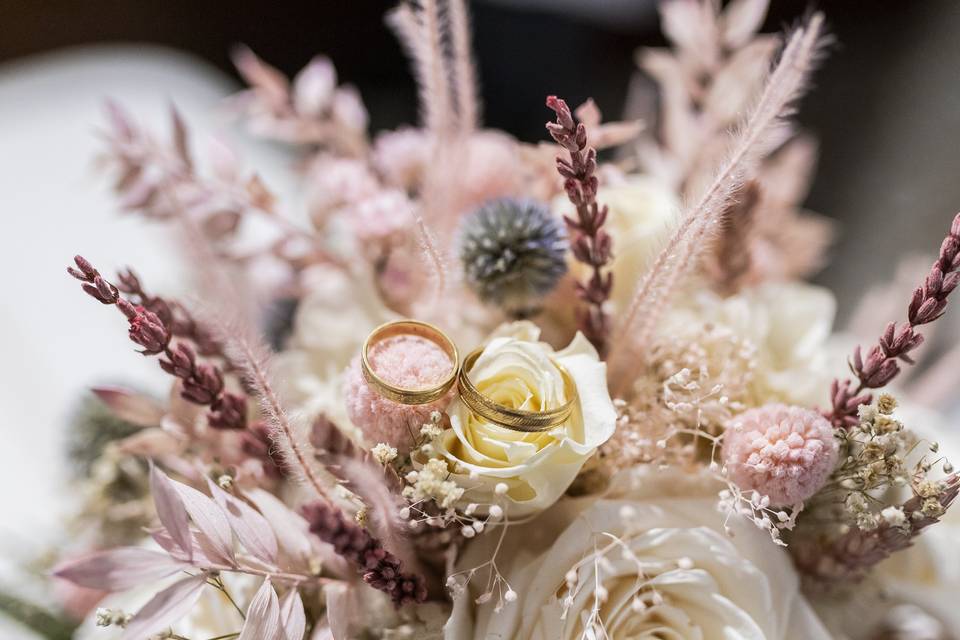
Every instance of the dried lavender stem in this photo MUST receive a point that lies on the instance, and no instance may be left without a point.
(591, 244)
(881, 364)
(203, 383)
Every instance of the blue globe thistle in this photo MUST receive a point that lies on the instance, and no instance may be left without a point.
(513, 252)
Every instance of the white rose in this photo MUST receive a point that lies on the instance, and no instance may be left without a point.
(518, 371)
(789, 323)
(642, 211)
(663, 524)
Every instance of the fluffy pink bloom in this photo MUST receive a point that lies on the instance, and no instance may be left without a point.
(400, 156)
(384, 215)
(780, 451)
(406, 361)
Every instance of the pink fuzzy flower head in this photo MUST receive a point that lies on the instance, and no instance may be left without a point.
(780, 451)
(405, 361)
(384, 215)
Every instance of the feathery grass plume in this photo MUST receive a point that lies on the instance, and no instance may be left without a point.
(434, 258)
(420, 33)
(763, 129)
(378, 486)
(290, 437)
(464, 70)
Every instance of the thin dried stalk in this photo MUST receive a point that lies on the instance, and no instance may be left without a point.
(762, 130)
(297, 450)
(464, 72)
(419, 33)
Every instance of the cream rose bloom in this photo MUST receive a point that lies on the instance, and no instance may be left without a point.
(711, 586)
(790, 325)
(518, 371)
(642, 211)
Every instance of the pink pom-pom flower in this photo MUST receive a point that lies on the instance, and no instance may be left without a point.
(783, 452)
(410, 362)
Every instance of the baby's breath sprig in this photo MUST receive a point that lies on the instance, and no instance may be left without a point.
(857, 520)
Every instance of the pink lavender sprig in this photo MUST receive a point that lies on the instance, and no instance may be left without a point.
(881, 364)
(380, 568)
(590, 242)
(203, 383)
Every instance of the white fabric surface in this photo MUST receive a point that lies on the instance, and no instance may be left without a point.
(55, 341)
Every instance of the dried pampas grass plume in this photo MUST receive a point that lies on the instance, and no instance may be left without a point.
(763, 129)
(292, 439)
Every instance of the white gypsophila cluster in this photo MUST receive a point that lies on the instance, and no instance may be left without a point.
(384, 453)
(430, 482)
(694, 385)
(756, 508)
(112, 617)
(880, 459)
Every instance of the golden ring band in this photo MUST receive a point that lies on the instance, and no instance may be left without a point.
(410, 328)
(516, 419)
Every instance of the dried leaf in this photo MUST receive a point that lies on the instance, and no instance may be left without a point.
(165, 608)
(263, 616)
(119, 569)
(692, 26)
(170, 510)
(740, 80)
(260, 196)
(291, 530)
(339, 610)
(131, 406)
(740, 20)
(251, 527)
(181, 143)
(292, 615)
(210, 520)
(149, 443)
(198, 549)
(270, 83)
(313, 87)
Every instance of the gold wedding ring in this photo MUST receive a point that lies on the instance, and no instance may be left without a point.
(516, 419)
(421, 330)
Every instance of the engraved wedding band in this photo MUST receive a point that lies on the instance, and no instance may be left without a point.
(516, 419)
(410, 328)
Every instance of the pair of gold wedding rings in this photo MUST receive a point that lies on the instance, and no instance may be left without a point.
(472, 397)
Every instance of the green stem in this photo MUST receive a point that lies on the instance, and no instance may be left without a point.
(50, 625)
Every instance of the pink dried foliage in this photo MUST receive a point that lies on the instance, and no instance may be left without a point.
(882, 362)
(764, 127)
(310, 110)
(161, 180)
(590, 242)
(382, 218)
(401, 157)
(406, 361)
(783, 452)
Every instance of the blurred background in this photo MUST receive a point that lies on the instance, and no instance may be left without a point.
(886, 108)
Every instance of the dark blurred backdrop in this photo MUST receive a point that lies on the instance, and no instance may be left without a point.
(885, 106)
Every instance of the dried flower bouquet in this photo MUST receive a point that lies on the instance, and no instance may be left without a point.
(614, 417)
